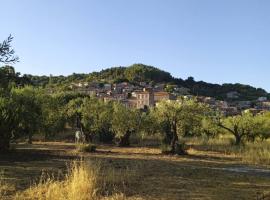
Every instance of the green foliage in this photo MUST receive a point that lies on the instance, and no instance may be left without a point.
(8, 121)
(264, 130)
(246, 92)
(73, 111)
(96, 117)
(145, 73)
(178, 119)
(9, 78)
(114, 74)
(58, 81)
(28, 111)
(246, 127)
(53, 115)
(209, 126)
(20, 115)
(148, 124)
(135, 73)
(125, 122)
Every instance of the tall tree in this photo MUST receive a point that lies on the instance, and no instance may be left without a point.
(29, 111)
(178, 117)
(125, 122)
(8, 122)
(53, 114)
(242, 127)
(96, 117)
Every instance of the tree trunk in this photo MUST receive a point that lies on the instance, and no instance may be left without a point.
(124, 140)
(174, 138)
(30, 139)
(88, 137)
(237, 140)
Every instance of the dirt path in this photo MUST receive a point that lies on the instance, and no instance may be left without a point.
(197, 176)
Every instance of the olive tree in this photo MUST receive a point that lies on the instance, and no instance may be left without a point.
(28, 111)
(8, 122)
(96, 119)
(53, 115)
(176, 118)
(243, 127)
(125, 122)
(263, 126)
(73, 111)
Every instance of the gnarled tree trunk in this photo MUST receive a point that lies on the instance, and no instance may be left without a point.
(238, 139)
(174, 138)
(124, 140)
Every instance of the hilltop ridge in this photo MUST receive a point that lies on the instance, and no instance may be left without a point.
(140, 73)
(137, 73)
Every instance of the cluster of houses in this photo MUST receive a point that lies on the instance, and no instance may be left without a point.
(144, 96)
(140, 97)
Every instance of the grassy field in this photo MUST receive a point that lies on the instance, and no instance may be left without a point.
(256, 153)
(135, 172)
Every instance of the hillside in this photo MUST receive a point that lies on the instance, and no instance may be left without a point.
(143, 73)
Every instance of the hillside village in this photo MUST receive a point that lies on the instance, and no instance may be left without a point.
(145, 95)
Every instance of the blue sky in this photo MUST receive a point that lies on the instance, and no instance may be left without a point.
(212, 40)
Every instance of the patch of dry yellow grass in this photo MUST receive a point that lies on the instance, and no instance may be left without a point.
(82, 182)
(257, 153)
(5, 187)
(79, 184)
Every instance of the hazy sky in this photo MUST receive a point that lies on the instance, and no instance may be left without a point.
(212, 40)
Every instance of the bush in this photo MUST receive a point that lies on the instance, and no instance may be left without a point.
(88, 148)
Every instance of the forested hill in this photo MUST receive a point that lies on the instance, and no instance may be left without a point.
(143, 73)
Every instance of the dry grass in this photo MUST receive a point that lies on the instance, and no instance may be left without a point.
(85, 148)
(257, 153)
(5, 187)
(83, 181)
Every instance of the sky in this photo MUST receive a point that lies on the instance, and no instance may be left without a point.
(218, 41)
